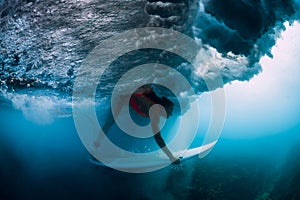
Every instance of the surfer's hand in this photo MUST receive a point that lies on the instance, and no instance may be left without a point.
(176, 161)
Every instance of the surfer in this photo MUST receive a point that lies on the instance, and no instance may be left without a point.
(141, 101)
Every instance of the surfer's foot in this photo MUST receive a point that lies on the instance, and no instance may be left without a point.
(93, 159)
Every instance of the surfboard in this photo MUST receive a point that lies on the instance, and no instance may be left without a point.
(140, 162)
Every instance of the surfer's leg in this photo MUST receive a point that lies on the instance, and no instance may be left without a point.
(105, 129)
(108, 123)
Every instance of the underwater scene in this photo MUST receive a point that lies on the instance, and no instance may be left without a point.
(150, 99)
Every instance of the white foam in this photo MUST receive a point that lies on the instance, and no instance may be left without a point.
(39, 109)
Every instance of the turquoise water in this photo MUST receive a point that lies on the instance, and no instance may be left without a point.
(50, 162)
(45, 43)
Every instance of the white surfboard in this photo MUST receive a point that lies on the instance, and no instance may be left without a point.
(140, 162)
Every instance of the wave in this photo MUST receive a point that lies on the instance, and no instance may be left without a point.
(44, 44)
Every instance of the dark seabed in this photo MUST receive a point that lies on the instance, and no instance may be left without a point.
(50, 162)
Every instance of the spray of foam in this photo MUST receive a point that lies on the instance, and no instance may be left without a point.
(39, 109)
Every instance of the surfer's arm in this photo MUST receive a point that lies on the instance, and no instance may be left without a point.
(154, 116)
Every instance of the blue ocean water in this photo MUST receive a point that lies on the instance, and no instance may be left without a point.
(50, 162)
(44, 43)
